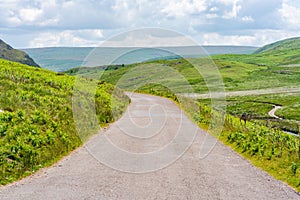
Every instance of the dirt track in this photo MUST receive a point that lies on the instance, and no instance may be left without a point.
(280, 90)
(272, 112)
(221, 175)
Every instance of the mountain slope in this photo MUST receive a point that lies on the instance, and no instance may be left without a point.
(64, 58)
(287, 44)
(9, 53)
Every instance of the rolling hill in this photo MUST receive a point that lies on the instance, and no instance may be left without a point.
(64, 58)
(9, 53)
(260, 140)
(287, 44)
(239, 71)
(271, 69)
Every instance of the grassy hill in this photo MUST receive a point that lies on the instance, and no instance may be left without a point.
(64, 58)
(270, 69)
(37, 126)
(260, 141)
(287, 44)
(9, 53)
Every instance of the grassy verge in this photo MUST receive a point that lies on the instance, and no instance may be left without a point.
(37, 126)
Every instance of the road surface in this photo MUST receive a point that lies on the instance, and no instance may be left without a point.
(272, 112)
(266, 91)
(87, 173)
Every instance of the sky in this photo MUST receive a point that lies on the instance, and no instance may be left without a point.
(49, 23)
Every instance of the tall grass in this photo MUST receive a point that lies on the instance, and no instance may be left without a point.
(37, 126)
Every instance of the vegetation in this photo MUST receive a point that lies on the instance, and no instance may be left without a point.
(37, 126)
(287, 44)
(65, 58)
(270, 69)
(259, 106)
(270, 149)
(273, 66)
(9, 53)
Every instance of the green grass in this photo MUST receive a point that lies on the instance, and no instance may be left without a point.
(260, 141)
(287, 44)
(37, 127)
(260, 105)
(238, 72)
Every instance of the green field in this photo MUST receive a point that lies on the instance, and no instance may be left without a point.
(271, 69)
(238, 72)
(259, 106)
(275, 67)
(47, 114)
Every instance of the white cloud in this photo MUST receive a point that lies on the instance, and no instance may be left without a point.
(181, 8)
(217, 39)
(253, 38)
(74, 38)
(290, 14)
(247, 19)
(13, 19)
(225, 2)
(149, 38)
(62, 20)
(29, 15)
(213, 9)
(22, 13)
(236, 7)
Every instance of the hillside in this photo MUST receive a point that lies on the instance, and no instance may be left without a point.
(9, 53)
(37, 126)
(283, 45)
(64, 58)
(260, 140)
(268, 70)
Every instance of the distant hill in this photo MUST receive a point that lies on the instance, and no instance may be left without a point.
(9, 53)
(64, 58)
(284, 52)
(287, 44)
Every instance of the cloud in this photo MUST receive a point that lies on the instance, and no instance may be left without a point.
(211, 16)
(30, 14)
(181, 8)
(62, 20)
(247, 19)
(233, 13)
(290, 12)
(216, 39)
(251, 38)
(213, 9)
(79, 38)
(25, 13)
(149, 37)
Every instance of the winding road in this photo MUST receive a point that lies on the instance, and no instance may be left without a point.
(272, 112)
(152, 152)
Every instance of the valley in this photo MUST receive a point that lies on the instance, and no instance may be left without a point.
(38, 127)
(269, 76)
